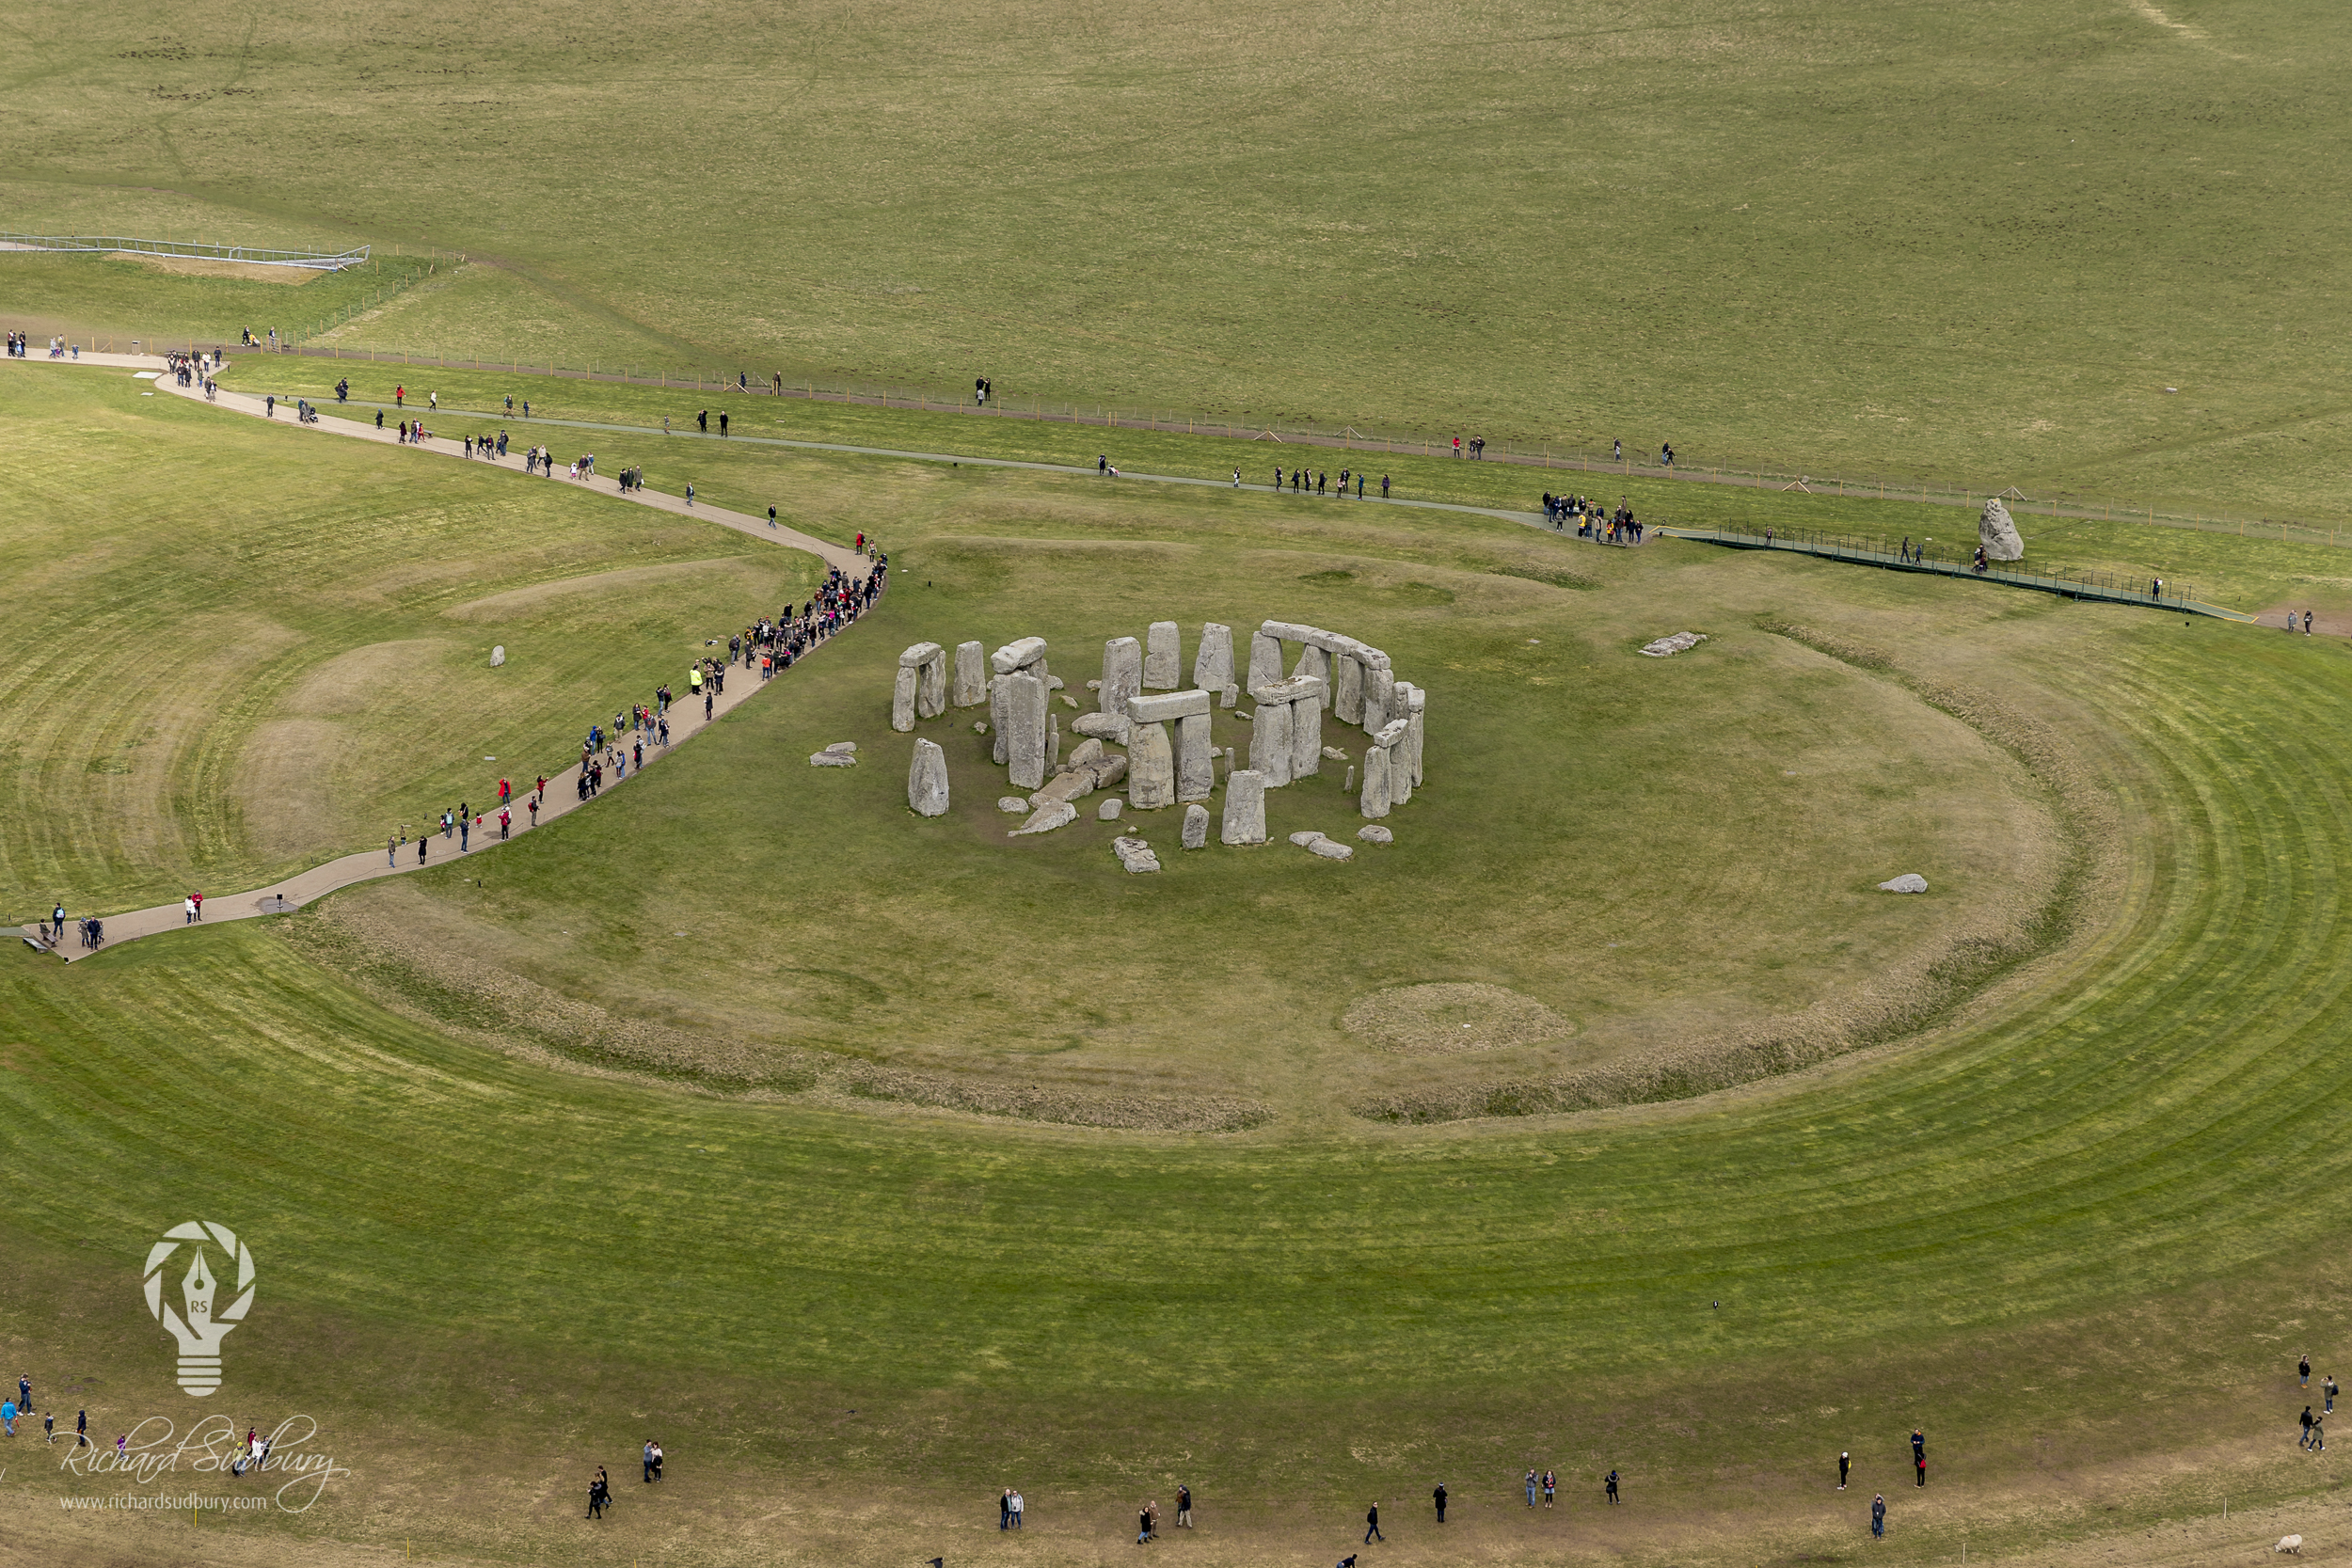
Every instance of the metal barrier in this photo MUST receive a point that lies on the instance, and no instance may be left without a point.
(321, 260)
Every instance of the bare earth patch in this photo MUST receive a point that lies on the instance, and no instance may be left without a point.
(204, 267)
(1442, 1019)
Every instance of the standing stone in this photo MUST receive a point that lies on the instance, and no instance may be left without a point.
(1212, 665)
(1266, 660)
(1122, 674)
(1245, 808)
(930, 690)
(971, 675)
(1413, 735)
(1347, 691)
(927, 780)
(1374, 799)
(1162, 655)
(1270, 745)
(1196, 826)
(1231, 695)
(1196, 759)
(1306, 734)
(1024, 730)
(1998, 534)
(902, 698)
(996, 725)
(1379, 687)
(1052, 741)
(1401, 754)
(1312, 661)
(1151, 767)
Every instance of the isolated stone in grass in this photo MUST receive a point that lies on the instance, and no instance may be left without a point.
(832, 759)
(1012, 803)
(1372, 833)
(1306, 839)
(927, 780)
(1109, 811)
(1054, 814)
(979, 726)
(1196, 826)
(1666, 647)
(1067, 700)
(1998, 534)
(1135, 855)
(1332, 849)
(1334, 753)
(1909, 882)
(497, 656)
(842, 746)
(1245, 808)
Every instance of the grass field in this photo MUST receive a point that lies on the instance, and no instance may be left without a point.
(1973, 241)
(229, 659)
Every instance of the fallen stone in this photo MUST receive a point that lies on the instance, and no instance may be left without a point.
(1162, 655)
(1332, 849)
(1068, 701)
(842, 746)
(1909, 882)
(1162, 709)
(1055, 814)
(1055, 683)
(1334, 753)
(832, 759)
(971, 675)
(1086, 752)
(1109, 769)
(1372, 833)
(1135, 855)
(1998, 532)
(1302, 840)
(498, 655)
(1094, 686)
(1102, 726)
(979, 726)
(1012, 803)
(927, 780)
(1109, 810)
(1196, 826)
(1245, 808)
(1666, 647)
(1075, 785)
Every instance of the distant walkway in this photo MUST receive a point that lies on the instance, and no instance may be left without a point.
(686, 719)
(1530, 520)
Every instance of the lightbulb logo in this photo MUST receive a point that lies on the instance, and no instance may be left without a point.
(197, 1327)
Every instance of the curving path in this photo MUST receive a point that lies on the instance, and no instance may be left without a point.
(686, 722)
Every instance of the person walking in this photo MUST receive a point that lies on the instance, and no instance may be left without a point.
(421, 841)
(1183, 1507)
(187, 912)
(646, 1457)
(400, 397)
(1920, 1462)
(2327, 1387)
(1371, 1525)
(1878, 1516)
(600, 1495)
(1439, 1497)
(772, 516)
(2307, 623)
(1844, 1464)
(1609, 1490)
(2319, 1437)
(506, 822)
(49, 1426)
(689, 492)
(2305, 1441)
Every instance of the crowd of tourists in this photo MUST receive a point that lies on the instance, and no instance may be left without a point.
(1608, 527)
(1313, 482)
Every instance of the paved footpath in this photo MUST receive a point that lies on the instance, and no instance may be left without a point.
(686, 719)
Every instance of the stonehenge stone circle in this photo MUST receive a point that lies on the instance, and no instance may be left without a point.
(1122, 674)
(927, 780)
(1998, 534)
(1196, 826)
(1212, 665)
(1162, 655)
(971, 675)
(1245, 808)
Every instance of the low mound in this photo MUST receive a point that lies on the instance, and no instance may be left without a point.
(1443, 1019)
